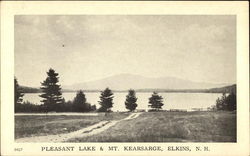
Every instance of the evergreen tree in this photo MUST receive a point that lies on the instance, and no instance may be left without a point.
(226, 102)
(51, 91)
(18, 95)
(106, 100)
(220, 102)
(79, 103)
(155, 102)
(131, 99)
(231, 101)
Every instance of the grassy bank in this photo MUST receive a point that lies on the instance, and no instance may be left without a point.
(171, 127)
(29, 125)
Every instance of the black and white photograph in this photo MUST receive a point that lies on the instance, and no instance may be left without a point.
(125, 78)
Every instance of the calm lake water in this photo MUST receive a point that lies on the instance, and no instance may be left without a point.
(170, 100)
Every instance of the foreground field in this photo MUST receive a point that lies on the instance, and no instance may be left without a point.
(171, 127)
(141, 127)
(33, 125)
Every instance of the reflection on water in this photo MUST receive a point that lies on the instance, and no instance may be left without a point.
(170, 100)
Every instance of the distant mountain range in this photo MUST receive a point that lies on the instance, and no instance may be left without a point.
(226, 89)
(26, 89)
(127, 81)
(123, 82)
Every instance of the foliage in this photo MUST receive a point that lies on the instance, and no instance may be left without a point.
(155, 102)
(18, 95)
(212, 108)
(106, 100)
(51, 91)
(226, 89)
(65, 106)
(80, 103)
(131, 99)
(28, 107)
(227, 103)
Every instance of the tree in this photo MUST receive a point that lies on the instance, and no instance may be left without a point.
(52, 96)
(155, 102)
(220, 102)
(79, 103)
(106, 100)
(18, 95)
(231, 101)
(226, 102)
(131, 99)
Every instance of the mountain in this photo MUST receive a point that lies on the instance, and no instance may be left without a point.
(26, 89)
(30, 89)
(127, 81)
(226, 89)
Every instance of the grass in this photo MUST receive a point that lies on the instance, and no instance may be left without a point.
(171, 127)
(28, 125)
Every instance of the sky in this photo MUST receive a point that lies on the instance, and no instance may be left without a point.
(84, 48)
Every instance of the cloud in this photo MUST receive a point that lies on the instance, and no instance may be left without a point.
(163, 45)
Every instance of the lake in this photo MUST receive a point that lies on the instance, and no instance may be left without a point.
(170, 100)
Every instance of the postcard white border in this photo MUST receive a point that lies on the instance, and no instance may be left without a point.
(11, 8)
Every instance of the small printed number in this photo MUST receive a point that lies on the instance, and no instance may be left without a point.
(18, 149)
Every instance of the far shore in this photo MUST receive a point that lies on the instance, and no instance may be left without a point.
(138, 91)
(59, 113)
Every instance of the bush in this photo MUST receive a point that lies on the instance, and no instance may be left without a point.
(65, 107)
(29, 107)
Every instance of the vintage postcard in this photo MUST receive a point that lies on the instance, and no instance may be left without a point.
(124, 78)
